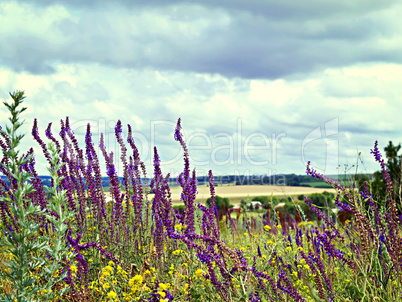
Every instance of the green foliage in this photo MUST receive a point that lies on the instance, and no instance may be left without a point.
(293, 180)
(322, 199)
(263, 199)
(393, 161)
(378, 185)
(274, 201)
(27, 250)
(394, 166)
(300, 197)
(290, 208)
(180, 208)
(220, 202)
(359, 180)
(18, 243)
(56, 247)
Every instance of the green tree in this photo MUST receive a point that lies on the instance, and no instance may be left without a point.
(322, 199)
(263, 199)
(292, 180)
(221, 202)
(393, 161)
(378, 185)
(359, 180)
(274, 201)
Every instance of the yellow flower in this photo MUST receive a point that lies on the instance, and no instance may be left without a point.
(163, 286)
(105, 274)
(112, 295)
(199, 273)
(106, 285)
(108, 269)
(177, 252)
(267, 228)
(136, 280)
(73, 268)
(162, 294)
(279, 226)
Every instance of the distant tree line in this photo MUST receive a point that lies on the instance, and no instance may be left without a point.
(280, 179)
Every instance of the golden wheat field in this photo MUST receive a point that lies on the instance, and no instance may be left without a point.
(237, 192)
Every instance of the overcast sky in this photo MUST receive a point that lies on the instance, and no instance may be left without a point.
(261, 86)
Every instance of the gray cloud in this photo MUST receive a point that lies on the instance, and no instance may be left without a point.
(234, 39)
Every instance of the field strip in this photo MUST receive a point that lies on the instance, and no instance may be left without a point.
(245, 191)
(242, 192)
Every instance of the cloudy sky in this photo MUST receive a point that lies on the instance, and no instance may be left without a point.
(261, 86)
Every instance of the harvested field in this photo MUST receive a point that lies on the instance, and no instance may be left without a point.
(238, 192)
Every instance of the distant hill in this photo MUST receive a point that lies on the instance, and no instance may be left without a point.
(280, 179)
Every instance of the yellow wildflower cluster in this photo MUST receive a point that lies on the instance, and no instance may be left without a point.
(199, 273)
(177, 252)
(135, 283)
